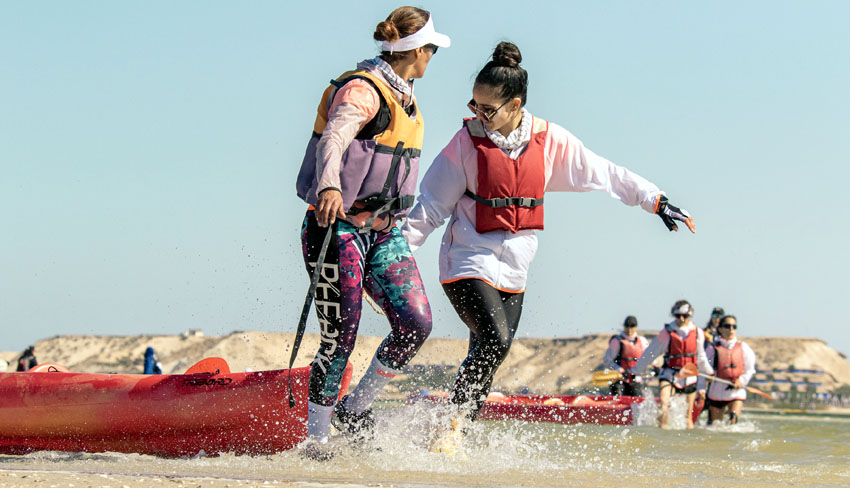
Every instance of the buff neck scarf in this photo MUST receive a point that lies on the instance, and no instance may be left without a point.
(515, 139)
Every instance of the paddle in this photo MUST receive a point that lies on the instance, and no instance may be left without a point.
(606, 377)
(305, 311)
(691, 369)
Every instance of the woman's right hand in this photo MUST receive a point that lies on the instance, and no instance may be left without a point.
(329, 207)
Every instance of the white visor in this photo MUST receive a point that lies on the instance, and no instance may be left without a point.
(683, 310)
(425, 35)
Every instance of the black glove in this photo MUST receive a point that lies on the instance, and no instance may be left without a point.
(669, 213)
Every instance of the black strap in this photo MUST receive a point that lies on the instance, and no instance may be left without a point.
(305, 312)
(382, 118)
(393, 173)
(505, 202)
(392, 176)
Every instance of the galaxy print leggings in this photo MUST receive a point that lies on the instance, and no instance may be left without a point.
(380, 263)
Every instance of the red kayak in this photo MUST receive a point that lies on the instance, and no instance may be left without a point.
(561, 409)
(212, 410)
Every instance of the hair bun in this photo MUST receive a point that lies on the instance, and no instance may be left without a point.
(507, 54)
(386, 31)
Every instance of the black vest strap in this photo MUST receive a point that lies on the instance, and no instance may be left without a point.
(380, 121)
(505, 202)
(380, 204)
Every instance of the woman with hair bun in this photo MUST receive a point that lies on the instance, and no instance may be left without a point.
(358, 176)
(489, 181)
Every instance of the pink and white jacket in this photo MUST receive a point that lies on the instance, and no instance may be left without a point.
(502, 258)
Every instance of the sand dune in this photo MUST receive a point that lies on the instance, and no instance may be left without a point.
(542, 365)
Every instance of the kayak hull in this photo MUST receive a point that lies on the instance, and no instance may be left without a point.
(560, 409)
(167, 415)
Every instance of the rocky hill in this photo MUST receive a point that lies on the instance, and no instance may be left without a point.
(541, 365)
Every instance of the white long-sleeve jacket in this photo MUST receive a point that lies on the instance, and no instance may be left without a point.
(502, 258)
(723, 392)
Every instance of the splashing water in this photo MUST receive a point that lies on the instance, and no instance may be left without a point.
(759, 451)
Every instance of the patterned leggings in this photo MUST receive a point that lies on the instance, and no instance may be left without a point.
(380, 263)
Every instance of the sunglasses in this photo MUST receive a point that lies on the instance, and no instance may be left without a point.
(726, 326)
(681, 315)
(433, 48)
(485, 116)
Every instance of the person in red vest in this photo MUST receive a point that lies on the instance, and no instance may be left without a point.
(681, 342)
(624, 350)
(735, 361)
(489, 182)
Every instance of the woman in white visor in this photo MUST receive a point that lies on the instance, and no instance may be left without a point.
(358, 177)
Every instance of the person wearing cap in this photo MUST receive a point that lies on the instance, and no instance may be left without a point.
(624, 350)
(489, 182)
(681, 342)
(358, 176)
(711, 327)
(733, 360)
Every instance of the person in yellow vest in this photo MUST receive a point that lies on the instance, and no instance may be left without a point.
(733, 360)
(710, 328)
(489, 182)
(358, 176)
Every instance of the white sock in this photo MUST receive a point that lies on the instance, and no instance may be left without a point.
(318, 421)
(375, 379)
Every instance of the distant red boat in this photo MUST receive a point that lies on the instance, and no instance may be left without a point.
(561, 409)
(212, 411)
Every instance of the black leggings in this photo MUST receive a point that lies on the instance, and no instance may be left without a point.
(492, 317)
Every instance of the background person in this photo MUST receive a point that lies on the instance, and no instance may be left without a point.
(624, 350)
(152, 364)
(735, 361)
(359, 174)
(27, 360)
(493, 213)
(711, 326)
(681, 342)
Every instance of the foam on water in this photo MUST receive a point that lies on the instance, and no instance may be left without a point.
(756, 452)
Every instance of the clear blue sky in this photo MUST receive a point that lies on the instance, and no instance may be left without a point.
(149, 151)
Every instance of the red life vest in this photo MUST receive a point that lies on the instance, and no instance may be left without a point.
(681, 351)
(629, 353)
(510, 191)
(729, 363)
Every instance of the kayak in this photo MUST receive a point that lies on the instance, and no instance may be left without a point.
(208, 410)
(561, 409)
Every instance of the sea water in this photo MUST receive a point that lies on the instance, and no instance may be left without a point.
(760, 451)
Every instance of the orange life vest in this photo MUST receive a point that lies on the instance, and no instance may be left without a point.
(510, 191)
(681, 351)
(729, 363)
(629, 353)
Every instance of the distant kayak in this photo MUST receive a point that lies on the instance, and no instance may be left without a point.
(211, 411)
(561, 409)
